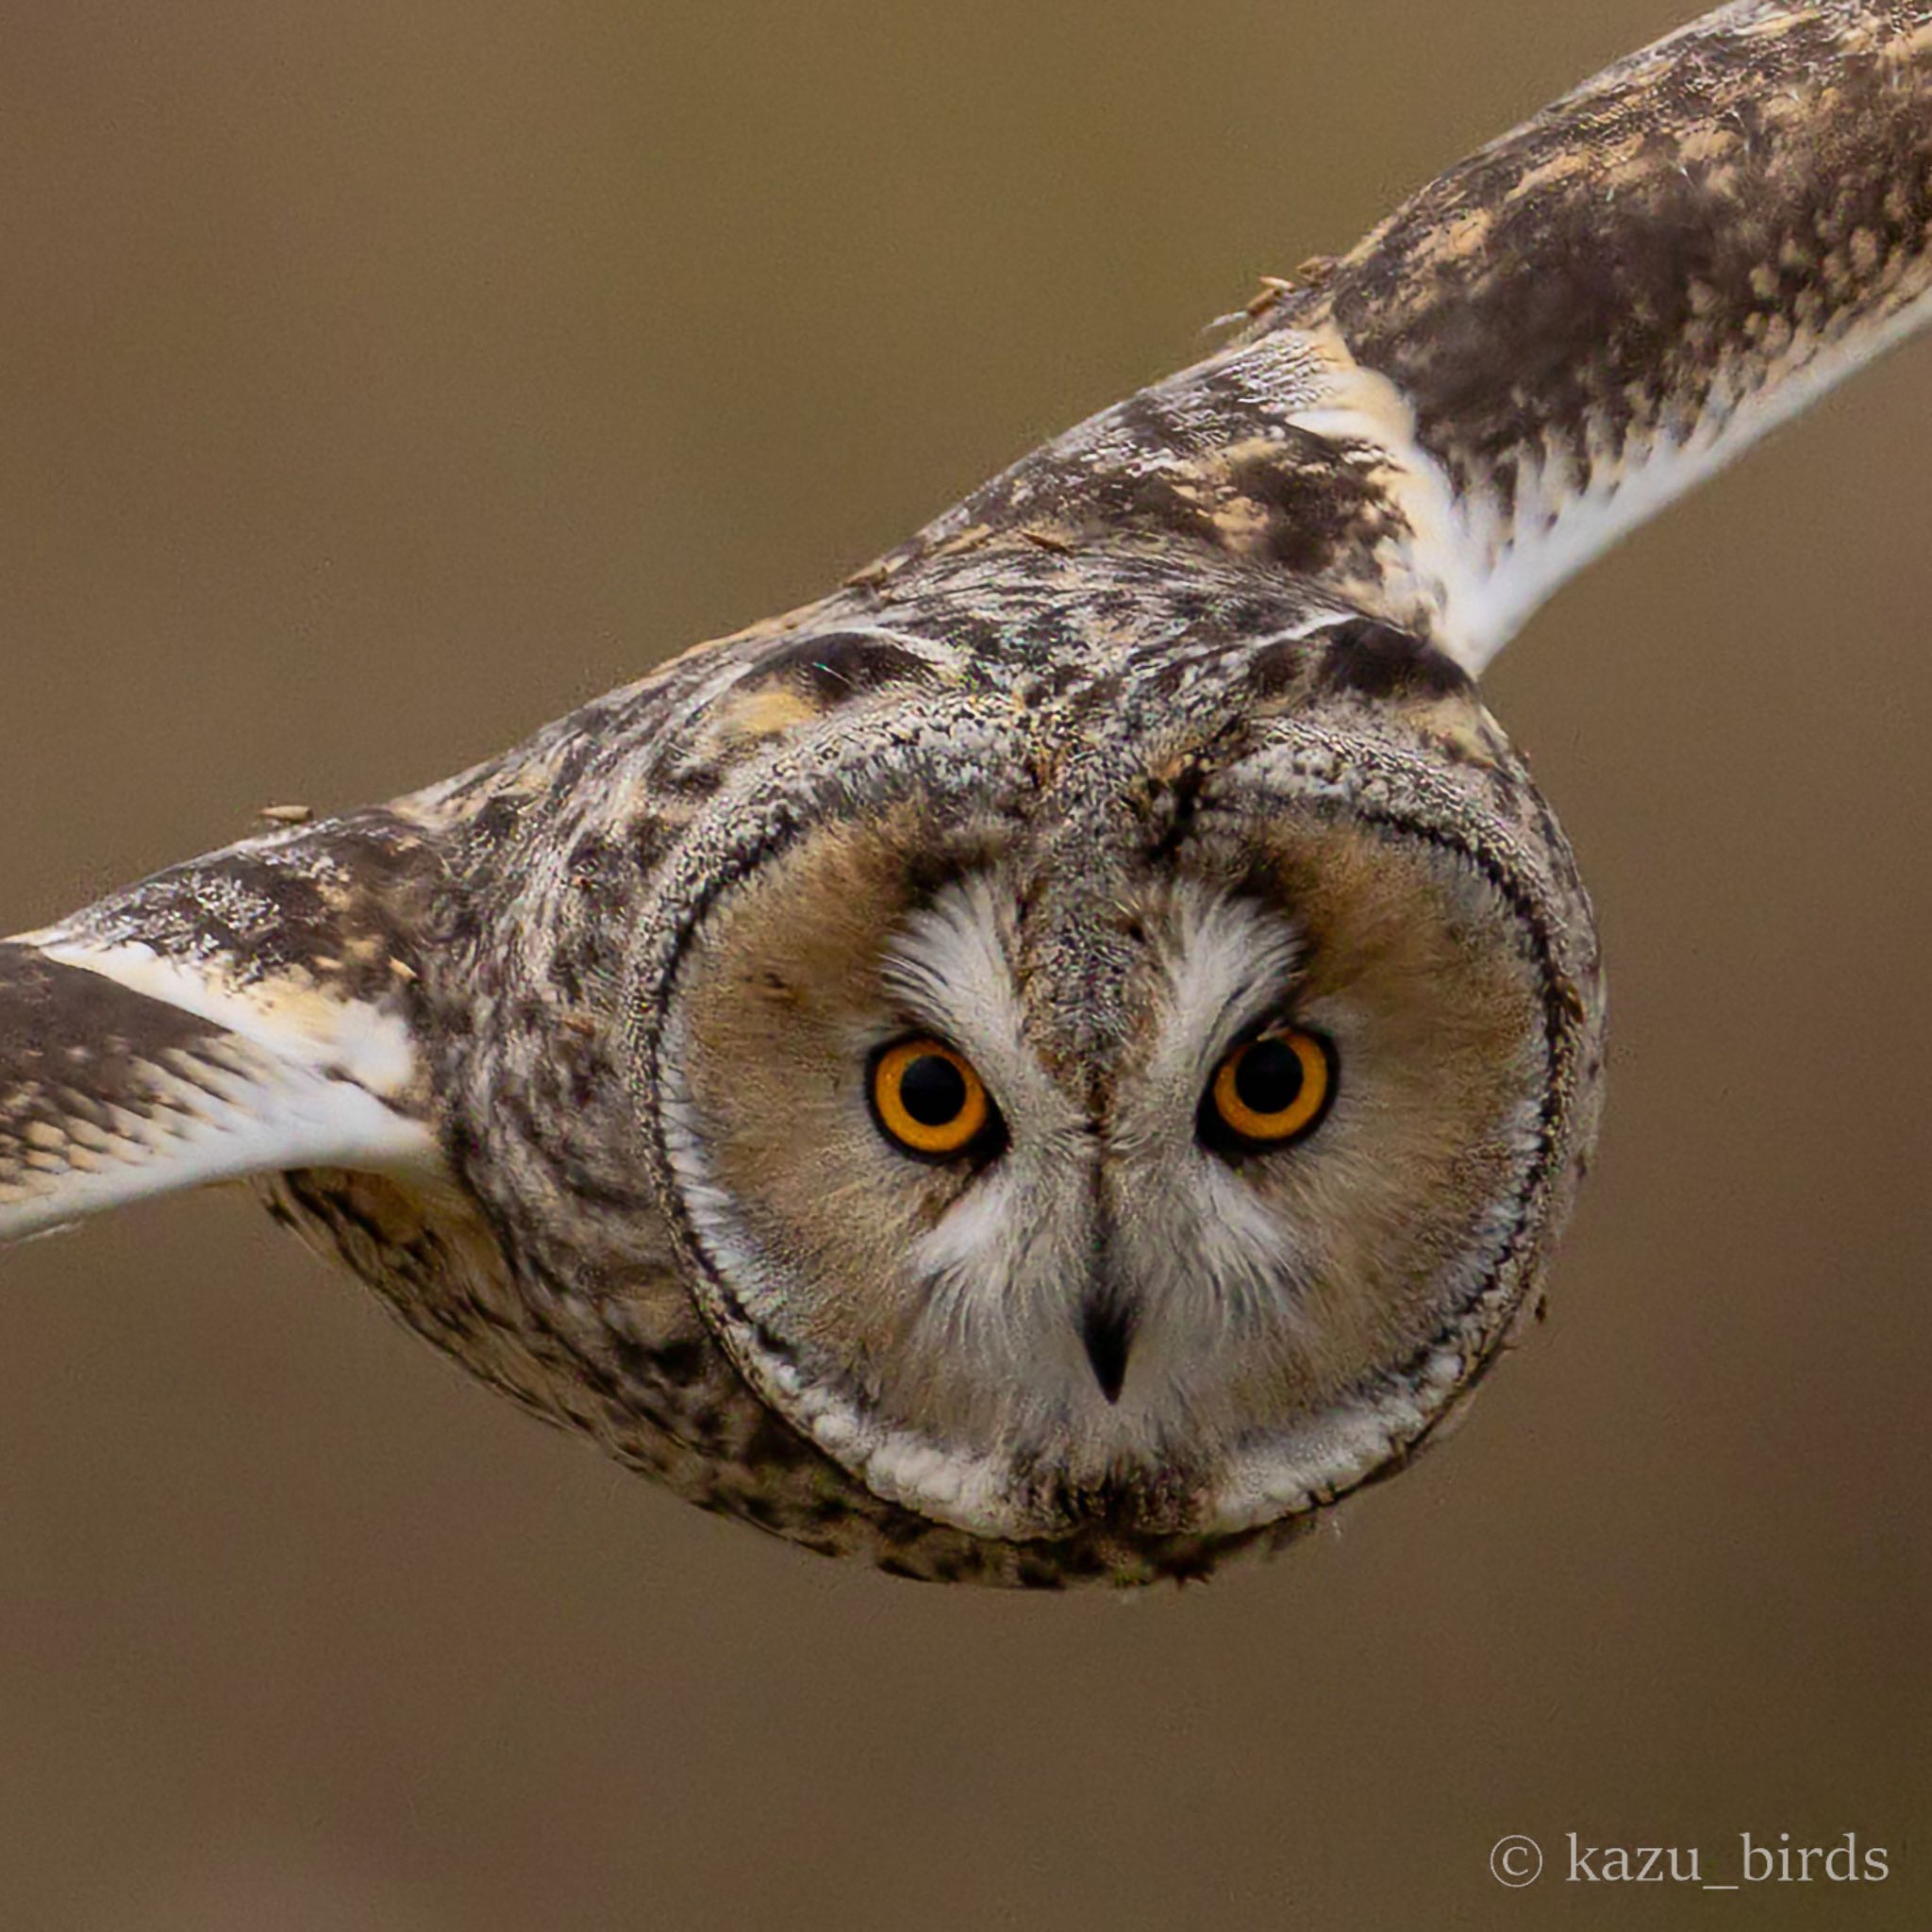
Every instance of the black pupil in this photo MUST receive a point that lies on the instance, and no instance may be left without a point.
(933, 1090)
(1269, 1078)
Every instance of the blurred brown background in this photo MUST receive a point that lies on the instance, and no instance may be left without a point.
(376, 383)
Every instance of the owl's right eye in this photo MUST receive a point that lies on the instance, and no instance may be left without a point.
(928, 1099)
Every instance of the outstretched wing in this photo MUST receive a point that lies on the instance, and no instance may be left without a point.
(1531, 356)
(238, 1015)
(1559, 336)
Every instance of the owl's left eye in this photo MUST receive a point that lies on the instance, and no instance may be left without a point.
(1270, 1090)
(927, 1098)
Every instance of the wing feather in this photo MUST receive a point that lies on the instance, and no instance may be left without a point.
(1562, 335)
(248, 1012)
(109, 1095)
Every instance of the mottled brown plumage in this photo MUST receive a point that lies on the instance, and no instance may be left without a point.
(1166, 736)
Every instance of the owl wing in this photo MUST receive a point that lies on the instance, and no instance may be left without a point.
(1568, 331)
(244, 1014)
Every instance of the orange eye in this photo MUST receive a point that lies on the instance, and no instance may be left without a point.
(1272, 1090)
(929, 1099)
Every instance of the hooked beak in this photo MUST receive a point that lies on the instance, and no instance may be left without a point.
(1106, 1333)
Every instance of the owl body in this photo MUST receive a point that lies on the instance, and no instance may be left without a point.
(1061, 860)
(1071, 1053)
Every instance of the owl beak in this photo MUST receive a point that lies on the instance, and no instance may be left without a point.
(1106, 1332)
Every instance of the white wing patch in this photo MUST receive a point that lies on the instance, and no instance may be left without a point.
(125, 1076)
(1473, 566)
(295, 1020)
(229, 1112)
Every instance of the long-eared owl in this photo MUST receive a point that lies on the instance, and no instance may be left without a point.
(1070, 1054)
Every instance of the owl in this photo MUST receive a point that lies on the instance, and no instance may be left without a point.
(1068, 1056)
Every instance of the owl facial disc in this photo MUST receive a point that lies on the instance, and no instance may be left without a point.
(1164, 1156)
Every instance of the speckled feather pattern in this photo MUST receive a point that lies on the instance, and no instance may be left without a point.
(1320, 533)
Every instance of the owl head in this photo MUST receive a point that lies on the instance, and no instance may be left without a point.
(1137, 1115)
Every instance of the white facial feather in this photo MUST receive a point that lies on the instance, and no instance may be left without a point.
(1228, 964)
(951, 965)
(1006, 1267)
(993, 1264)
